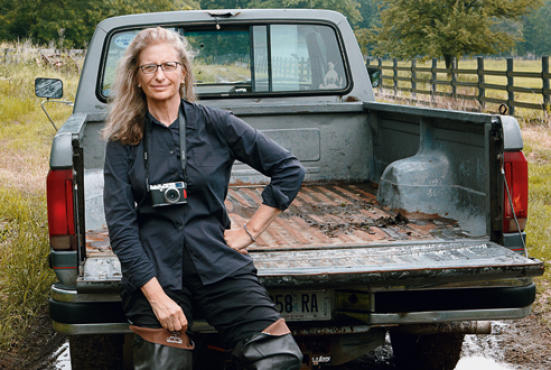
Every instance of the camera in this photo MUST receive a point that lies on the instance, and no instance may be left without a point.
(168, 194)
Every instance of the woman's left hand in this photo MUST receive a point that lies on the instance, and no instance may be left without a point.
(237, 239)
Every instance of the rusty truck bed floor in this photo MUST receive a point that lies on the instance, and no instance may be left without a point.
(323, 216)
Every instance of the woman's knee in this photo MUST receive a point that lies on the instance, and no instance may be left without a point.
(272, 349)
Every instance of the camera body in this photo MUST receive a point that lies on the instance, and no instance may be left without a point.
(168, 194)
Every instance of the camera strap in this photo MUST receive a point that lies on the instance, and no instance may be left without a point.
(182, 123)
(182, 134)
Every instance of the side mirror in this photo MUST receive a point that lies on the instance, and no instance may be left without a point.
(50, 88)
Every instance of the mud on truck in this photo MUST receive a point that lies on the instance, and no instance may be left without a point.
(410, 221)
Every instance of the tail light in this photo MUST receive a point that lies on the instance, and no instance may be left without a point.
(61, 214)
(516, 175)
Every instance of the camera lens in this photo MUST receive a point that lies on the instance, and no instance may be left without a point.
(172, 195)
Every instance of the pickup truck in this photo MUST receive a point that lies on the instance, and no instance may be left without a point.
(410, 221)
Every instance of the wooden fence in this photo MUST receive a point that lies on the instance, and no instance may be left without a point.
(411, 78)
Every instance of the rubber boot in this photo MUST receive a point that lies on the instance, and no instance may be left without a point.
(154, 356)
(269, 350)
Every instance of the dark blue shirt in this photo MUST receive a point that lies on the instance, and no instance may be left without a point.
(149, 240)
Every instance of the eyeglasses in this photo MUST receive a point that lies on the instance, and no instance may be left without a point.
(149, 69)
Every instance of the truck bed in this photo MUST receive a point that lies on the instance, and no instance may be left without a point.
(323, 216)
(337, 234)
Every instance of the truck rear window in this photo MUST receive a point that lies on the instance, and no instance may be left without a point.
(255, 60)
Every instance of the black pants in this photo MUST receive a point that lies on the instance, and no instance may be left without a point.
(237, 307)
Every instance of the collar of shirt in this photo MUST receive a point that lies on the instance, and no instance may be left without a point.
(189, 114)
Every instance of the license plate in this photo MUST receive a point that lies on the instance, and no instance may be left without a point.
(307, 305)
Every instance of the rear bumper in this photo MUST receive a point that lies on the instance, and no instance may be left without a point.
(319, 328)
(86, 312)
(455, 299)
(74, 314)
(85, 329)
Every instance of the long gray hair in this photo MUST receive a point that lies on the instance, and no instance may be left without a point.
(128, 107)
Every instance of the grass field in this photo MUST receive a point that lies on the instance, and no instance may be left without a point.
(25, 139)
(537, 141)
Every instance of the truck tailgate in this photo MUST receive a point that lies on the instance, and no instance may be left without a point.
(412, 264)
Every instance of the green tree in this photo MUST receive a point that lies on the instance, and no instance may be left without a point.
(370, 10)
(447, 28)
(537, 29)
(71, 22)
(119, 7)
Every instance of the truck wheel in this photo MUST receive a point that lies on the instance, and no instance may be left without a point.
(427, 352)
(96, 351)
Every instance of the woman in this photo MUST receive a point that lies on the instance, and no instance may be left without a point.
(167, 168)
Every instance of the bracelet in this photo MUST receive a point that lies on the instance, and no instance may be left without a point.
(249, 233)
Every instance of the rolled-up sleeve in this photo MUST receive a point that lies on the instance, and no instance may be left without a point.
(121, 217)
(269, 158)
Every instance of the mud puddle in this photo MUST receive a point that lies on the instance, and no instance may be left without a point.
(61, 358)
(479, 362)
(486, 351)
